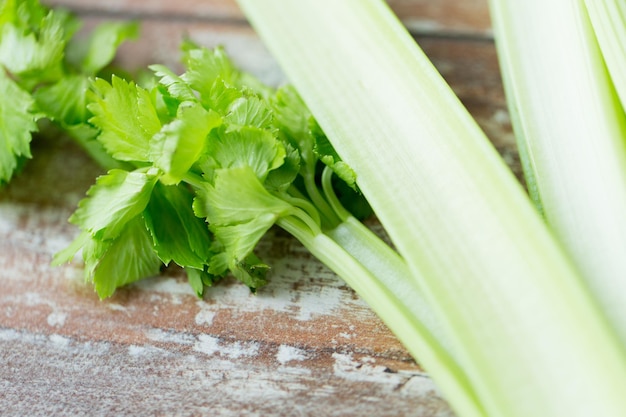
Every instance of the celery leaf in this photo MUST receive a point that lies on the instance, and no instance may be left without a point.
(282, 177)
(205, 67)
(249, 111)
(179, 144)
(17, 121)
(178, 235)
(292, 118)
(36, 55)
(127, 117)
(236, 196)
(174, 85)
(113, 201)
(127, 258)
(239, 211)
(245, 146)
(65, 101)
(221, 96)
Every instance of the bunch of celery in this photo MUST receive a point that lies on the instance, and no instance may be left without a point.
(525, 335)
(214, 145)
(479, 290)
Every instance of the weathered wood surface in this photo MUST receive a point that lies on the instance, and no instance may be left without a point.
(305, 345)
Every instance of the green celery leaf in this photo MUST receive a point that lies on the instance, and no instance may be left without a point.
(110, 264)
(239, 211)
(200, 278)
(175, 86)
(68, 253)
(205, 67)
(65, 101)
(251, 271)
(17, 121)
(292, 117)
(165, 103)
(180, 143)
(127, 118)
(249, 111)
(113, 201)
(71, 24)
(25, 14)
(221, 96)
(34, 57)
(240, 239)
(281, 178)
(91, 54)
(220, 262)
(236, 196)
(209, 279)
(85, 136)
(245, 146)
(8, 11)
(194, 276)
(177, 234)
(343, 170)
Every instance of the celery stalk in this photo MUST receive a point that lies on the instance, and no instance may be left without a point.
(608, 18)
(348, 251)
(572, 130)
(524, 329)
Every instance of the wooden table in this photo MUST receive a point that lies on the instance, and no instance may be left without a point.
(304, 345)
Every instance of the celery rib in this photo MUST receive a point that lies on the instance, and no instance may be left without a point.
(608, 18)
(400, 313)
(572, 129)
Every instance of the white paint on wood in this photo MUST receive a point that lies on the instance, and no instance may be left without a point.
(288, 353)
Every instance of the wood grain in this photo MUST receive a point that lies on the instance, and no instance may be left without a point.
(304, 345)
(434, 16)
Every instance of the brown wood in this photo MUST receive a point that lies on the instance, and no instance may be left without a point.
(304, 345)
(437, 16)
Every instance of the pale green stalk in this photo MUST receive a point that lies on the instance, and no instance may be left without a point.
(608, 18)
(572, 131)
(382, 261)
(348, 251)
(529, 338)
(389, 268)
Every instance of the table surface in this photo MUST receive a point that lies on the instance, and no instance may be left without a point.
(304, 345)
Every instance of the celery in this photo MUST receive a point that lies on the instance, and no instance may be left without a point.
(571, 129)
(45, 71)
(608, 18)
(526, 336)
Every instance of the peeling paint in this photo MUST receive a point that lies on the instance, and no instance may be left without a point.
(160, 335)
(59, 340)
(210, 345)
(288, 353)
(56, 319)
(204, 317)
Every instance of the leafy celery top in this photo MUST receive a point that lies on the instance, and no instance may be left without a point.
(211, 146)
